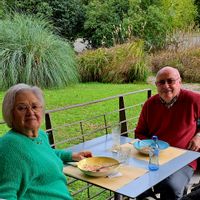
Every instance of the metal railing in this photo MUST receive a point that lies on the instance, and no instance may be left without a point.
(64, 131)
(104, 127)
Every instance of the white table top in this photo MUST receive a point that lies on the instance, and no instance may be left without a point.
(100, 147)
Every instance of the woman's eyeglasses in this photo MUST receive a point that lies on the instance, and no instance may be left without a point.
(169, 81)
(25, 107)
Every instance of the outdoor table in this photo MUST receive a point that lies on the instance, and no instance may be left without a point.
(135, 178)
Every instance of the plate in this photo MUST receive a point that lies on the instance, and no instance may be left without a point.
(89, 165)
(143, 145)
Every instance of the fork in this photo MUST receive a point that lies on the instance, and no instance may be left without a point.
(98, 169)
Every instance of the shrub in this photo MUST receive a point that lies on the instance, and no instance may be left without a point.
(111, 21)
(120, 64)
(181, 12)
(101, 19)
(186, 61)
(91, 64)
(67, 16)
(31, 53)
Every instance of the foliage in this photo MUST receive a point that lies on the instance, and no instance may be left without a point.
(101, 19)
(91, 65)
(39, 8)
(150, 24)
(113, 21)
(2, 8)
(187, 62)
(197, 3)
(110, 22)
(120, 64)
(31, 53)
(181, 12)
(66, 16)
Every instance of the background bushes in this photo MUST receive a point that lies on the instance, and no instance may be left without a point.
(109, 22)
(186, 61)
(32, 54)
(120, 64)
(105, 23)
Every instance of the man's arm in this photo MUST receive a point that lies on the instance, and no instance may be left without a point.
(194, 144)
(141, 130)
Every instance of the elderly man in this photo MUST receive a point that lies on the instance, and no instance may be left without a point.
(172, 115)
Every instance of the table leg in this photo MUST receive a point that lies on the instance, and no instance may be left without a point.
(117, 196)
(120, 197)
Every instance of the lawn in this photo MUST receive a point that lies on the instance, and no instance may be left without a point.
(82, 93)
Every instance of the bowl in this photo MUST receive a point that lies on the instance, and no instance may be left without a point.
(143, 145)
(91, 166)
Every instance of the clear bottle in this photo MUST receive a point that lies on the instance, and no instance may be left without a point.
(154, 155)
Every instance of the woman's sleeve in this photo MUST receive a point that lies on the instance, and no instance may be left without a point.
(65, 156)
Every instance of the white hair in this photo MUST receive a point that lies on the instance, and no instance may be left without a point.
(9, 100)
(168, 69)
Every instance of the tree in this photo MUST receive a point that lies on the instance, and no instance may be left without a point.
(111, 21)
(197, 3)
(102, 19)
(67, 16)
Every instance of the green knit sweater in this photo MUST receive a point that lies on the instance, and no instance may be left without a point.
(30, 169)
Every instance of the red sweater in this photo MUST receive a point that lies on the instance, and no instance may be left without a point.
(175, 125)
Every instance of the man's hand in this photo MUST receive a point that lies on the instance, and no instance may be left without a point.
(194, 144)
(81, 155)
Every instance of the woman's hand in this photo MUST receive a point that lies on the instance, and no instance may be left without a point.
(81, 155)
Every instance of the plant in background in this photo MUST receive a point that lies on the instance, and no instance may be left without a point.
(100, 21)
(186, 61)
(31, 53)
(67, 16)
(129, 63)
(109, 22)
(39, 8)
(91, 64)
(197, 3)
(181, 12)
(112, 21)
(120, 64)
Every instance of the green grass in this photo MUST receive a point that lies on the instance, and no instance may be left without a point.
(86, 92)
(82, 93)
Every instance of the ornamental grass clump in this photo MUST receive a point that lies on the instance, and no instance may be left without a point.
(186, 61)
(123, 63)
(32, 54)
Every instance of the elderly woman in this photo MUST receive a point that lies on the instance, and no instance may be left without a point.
(29, 167)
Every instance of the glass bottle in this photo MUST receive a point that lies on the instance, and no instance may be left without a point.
(154, 154)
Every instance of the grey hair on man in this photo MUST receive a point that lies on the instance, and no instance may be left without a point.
(168, 68)
(9, 100)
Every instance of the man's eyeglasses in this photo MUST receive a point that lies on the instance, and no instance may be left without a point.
(169, 81)
(25, 107)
